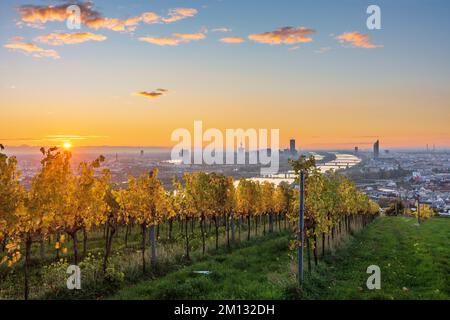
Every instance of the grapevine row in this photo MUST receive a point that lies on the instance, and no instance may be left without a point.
(64, 202)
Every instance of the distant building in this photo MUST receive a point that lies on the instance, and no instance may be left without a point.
(142, 153)
(292, 147)
(356, 150)
(376, 149)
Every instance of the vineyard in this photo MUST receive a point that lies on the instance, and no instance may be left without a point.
(77, 216)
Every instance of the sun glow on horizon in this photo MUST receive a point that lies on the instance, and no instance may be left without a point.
(67, 145)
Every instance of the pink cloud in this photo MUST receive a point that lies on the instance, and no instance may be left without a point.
(36, 16)
(285, 35)
(179, 14)
(232, 40)
(175, 39)
(58, 39)
(357, 40)
(18, 44)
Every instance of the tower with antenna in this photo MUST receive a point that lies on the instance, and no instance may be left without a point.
(376, 149)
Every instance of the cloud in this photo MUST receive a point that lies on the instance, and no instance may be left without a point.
(186, 37)
(18, 44)
(50, 139)
(19, 139)
(161, 41)
(131, 24)
(174, 15)
(357, 40)
(113, 24)
(232, 40)
(285, 35)
(150, 17)
(151, 94)
(43, 14)
(63, 137)
(36, 16)
(175, 39)
(179, 14)
(221, 30)
(58, 39)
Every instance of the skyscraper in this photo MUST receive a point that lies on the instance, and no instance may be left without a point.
(292, 147)
(376, 149)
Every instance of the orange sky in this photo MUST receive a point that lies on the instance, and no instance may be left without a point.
(323, 83)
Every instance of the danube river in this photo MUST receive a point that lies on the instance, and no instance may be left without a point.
(342, 161)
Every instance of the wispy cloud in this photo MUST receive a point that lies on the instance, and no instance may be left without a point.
(232, 40)
(186, 37)
(65, 137)
(150, 18)
(178, 14)
(151, 94)
(56, 138)
(113, 24)
(285, 35)
(42, 14)
(174, 15)
(175, 39)
(161, 41)
(357, 40)
(37, 15)
(58, 39)
(19, 139)
(19, 44)
(221, 30)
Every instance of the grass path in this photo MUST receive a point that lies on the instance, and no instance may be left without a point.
(414, 262)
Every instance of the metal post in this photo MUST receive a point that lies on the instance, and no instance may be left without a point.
(418, 209)
(301, 225)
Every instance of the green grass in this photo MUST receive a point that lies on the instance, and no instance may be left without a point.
(414, 262)
(259, 271)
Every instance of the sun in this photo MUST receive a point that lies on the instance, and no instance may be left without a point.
(67, 145)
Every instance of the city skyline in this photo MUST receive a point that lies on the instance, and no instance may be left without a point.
(136, 71)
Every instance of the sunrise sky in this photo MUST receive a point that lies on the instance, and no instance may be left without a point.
(137, 70)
